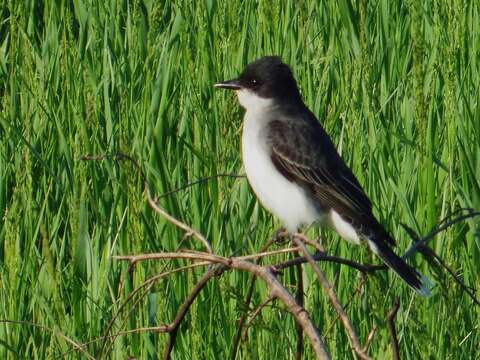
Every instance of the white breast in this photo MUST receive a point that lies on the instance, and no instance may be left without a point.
(277, 194)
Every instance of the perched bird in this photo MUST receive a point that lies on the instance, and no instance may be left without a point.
(295, 170)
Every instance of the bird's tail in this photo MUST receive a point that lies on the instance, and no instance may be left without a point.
(412, 277)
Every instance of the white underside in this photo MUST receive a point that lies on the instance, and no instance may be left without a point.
(343, 228)
(283, 198)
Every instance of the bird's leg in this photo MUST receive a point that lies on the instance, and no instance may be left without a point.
(281, 236)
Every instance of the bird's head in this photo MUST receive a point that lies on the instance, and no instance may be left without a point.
(263, 81)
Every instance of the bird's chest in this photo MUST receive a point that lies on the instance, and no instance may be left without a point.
(277, 194)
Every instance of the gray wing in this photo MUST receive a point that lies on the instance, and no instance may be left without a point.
(304, 154)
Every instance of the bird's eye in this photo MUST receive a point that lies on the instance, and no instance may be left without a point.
(253, 82)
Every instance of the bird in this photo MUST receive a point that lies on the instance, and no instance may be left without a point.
(295, 170)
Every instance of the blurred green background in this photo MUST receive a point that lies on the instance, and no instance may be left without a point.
(396, 84)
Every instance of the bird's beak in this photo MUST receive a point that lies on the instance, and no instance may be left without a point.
(229, 84)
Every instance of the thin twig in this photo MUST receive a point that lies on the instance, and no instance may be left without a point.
(198, 181)
(257, 311)
(269, 253)
(151, 201)
(278, 291)
(358, 290)
(243, 319)
(370, 336)
(446, 224)
(319, 256)
(216, 259)
(443, 264)
(182, 311)
(328, 288)
(154, 205)
(300, 300)
(248, 300)
(392, 331)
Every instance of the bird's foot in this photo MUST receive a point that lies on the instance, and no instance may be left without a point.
(281, 236)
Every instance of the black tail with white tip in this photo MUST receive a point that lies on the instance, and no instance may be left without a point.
(407, 273)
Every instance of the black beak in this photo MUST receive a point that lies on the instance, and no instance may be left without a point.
(229, 84)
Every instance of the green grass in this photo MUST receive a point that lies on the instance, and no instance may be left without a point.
(397, 87)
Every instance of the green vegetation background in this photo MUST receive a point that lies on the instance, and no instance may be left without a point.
(395, 83)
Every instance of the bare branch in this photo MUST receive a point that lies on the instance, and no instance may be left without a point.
(392, 331)
(243, 319)
(151, 201)
(257, 311)
(154, 205)
(174, 326)
(199, 181)
(265, 273)
(174, 255)
(300, 301)
(445, 225)
(442, 263)
(369, 339)
(270, 253)
(319, 256)
(328, 288)
(278, 291)
(248, 300)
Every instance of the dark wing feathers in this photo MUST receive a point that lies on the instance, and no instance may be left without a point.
(303, 153)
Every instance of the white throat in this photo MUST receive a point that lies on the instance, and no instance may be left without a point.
(252, 102)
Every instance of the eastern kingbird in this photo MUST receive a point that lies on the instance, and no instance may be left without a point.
(295, 170)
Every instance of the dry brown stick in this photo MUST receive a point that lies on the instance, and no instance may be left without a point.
(315, 244)
(173, 327)
(153, 204)
(147, 285)
(370, 336)
(174, 255)
(257, 311)
(349, 301)
(151, 201)
(444, 225)
(262, 254)
(443, 264)
(242, 320)
(392, 331)
(278, 291)
(328, 288)
(248, 300)
(320, 256)
(266, 274)
(300, 301)
(196, 255)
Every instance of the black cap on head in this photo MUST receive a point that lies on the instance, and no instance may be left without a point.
(268, 77)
